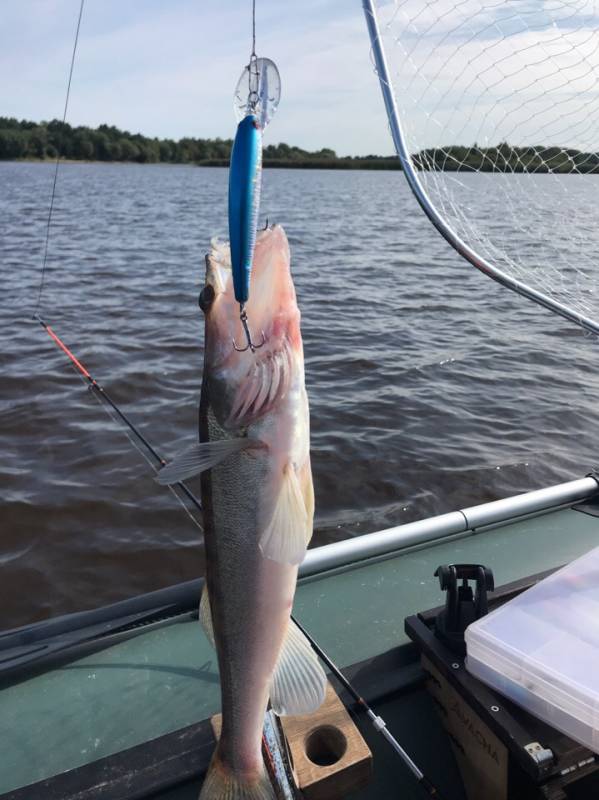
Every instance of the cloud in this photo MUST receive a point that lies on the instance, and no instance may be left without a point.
(466, 70)
(171, 69)
(489, 72)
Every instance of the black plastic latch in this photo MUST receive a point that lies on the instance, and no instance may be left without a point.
(462, 605)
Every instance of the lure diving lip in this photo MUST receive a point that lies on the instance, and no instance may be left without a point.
(245, 177)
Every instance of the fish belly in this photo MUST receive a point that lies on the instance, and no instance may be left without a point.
(250, 598)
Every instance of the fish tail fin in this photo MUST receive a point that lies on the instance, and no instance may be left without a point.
(222, 783)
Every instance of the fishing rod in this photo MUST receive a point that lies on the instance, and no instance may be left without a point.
(378, 723)
(106, 398)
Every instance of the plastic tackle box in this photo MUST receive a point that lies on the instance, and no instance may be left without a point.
(541, 650)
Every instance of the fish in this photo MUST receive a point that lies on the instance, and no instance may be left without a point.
(258, 504)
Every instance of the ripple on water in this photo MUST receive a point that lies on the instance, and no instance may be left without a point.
(431, 388)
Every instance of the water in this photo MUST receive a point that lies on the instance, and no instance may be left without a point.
(431, 387)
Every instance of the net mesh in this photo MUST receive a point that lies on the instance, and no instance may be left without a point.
(499, 102)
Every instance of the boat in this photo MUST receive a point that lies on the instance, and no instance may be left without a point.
(116, 702)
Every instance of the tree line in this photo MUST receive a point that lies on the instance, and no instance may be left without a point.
(506, 158)
(21, 139)
(47, 140)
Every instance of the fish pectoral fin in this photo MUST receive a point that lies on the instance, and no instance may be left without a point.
(298, 684)
(206, 616)
(285, 538)
(200, 457)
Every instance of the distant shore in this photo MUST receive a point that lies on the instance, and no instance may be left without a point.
(267, 163)
(45, 141)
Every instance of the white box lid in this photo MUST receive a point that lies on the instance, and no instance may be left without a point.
(543, 645)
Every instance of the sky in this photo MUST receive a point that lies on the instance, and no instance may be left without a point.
(168, 68)
(466, 71)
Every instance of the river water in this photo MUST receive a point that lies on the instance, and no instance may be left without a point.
(431, 387)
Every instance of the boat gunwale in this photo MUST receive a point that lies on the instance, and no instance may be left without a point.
(389, 541)
(43, 645)
(183, 755)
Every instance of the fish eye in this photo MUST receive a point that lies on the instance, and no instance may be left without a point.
(206, 297)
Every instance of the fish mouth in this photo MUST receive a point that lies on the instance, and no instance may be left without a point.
(271, 310)
(271, 254)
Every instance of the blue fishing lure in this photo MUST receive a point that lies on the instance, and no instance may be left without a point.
(245, 177)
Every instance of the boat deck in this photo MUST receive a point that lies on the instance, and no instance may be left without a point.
(165, 678)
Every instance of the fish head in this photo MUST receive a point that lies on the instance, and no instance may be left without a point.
(247, 384)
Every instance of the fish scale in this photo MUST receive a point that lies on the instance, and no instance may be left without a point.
(248, 653)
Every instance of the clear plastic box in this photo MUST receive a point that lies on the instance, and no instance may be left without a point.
(541, 650)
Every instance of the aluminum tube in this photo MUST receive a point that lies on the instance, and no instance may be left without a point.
(390, 540)
(529, 503)
(382, 542)
(419, 191)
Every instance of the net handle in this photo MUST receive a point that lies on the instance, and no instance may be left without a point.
(411, 173)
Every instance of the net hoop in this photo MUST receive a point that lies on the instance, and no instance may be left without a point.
(427, 205)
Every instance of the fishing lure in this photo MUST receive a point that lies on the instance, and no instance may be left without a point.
(256, 99)
(245, 178)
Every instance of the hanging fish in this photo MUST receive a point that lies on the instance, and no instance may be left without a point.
(257, 495)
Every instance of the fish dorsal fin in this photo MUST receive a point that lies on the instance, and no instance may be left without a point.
(206, 615)
(200, 457)
(286, 536)
(298, 683)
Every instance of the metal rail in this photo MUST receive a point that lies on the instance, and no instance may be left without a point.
(43, 644)
(426, 203)
(388, 541)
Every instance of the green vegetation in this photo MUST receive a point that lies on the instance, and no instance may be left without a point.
(20, 139)
(506, 158)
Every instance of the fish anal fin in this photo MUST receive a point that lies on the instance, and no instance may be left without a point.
(298, 684)
(205, 615)
(286, 535)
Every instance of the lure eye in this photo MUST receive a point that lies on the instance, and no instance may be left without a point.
(206, 297)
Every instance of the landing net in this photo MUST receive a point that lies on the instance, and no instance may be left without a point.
(494, 109)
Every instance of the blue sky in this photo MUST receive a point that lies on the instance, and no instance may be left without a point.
(486, 71)
(170, 68)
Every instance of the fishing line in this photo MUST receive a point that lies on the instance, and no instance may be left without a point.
(53, 195)
(98, 391)
(378, 723)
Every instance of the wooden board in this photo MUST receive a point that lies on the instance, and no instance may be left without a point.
(327, 752)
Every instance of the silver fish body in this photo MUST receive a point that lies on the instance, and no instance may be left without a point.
(258, 509)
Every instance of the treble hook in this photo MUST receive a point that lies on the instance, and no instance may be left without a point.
(250, 345)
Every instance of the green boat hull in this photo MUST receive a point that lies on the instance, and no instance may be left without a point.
(127, 707)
